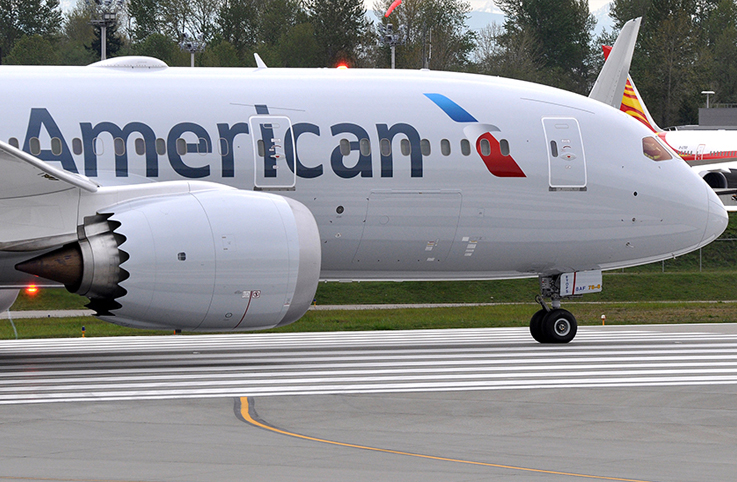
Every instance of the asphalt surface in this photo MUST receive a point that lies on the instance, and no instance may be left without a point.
(650, 403)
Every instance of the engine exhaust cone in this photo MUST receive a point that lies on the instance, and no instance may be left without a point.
(63, 265)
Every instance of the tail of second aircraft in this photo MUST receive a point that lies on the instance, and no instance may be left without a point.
(632, 103)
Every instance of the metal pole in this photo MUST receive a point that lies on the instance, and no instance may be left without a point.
(429, 49)
(103, 42)
(191, 56)
(424, 48)
(393, 57)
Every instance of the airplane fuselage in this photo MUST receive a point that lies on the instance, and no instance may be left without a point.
(392, 165)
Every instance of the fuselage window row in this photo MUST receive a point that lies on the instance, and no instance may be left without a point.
(182, 148)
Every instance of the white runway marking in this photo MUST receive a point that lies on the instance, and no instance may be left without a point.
(96, 369)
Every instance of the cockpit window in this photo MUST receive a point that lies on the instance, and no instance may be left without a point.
(655, 150)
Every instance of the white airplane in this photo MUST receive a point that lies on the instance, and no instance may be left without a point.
(711, 153)
(214, 199)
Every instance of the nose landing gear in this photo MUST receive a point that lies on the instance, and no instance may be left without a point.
(554, 324)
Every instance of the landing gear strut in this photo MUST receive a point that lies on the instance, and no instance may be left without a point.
(552, 325)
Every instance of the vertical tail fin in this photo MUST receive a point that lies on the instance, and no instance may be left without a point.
(610, 83)
(632, 103)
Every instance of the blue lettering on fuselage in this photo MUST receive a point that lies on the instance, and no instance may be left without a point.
(41, 117)
(89, 134)
(176, 148)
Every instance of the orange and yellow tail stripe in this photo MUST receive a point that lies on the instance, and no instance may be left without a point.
(631, 105)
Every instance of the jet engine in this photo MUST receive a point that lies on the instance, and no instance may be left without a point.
(198, 261)
(715, 179)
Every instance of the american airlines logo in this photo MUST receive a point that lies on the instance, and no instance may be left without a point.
(494, 152)
(352, 157)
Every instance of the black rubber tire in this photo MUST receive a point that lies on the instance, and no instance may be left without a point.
(536, 326)
(559, 326)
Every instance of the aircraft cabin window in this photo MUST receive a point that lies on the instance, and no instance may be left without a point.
(202, 146)
(504, 147)
(261, 148)
(98, 147)
(405, 147)
(485, 147)
(224, 147)
(345, 147)
(181, 146)
(160, 146)
(140, 146)
(119, 146)
(465, 147)
(14, 142)
(385, 146)
(553, 149)
(56, 146)
(365, 146)
(425, 147)
(445, 147)
(77, 146)
(654, 149)
(35, 145)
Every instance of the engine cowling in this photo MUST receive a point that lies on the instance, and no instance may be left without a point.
(202, 261)
(715, 179)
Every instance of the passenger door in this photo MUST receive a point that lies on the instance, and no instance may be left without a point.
(566, 158)
(272, 170)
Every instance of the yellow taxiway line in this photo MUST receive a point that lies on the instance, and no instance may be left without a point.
(249, 416)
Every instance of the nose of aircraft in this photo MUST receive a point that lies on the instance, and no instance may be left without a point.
(717, 220)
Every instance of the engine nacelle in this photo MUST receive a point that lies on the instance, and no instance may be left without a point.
(202, 261)
(715, 179)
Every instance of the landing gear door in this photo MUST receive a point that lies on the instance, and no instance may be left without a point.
(272, 169)
(566, 159)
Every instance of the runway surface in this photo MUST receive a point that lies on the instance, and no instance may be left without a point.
(131, 368)
(649, 403)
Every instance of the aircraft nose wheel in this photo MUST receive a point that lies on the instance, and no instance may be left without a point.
(559, 326)
(536, 326)
(554, 326)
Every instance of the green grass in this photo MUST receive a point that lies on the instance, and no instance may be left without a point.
(67, 328)
(627, 286)
(617, 313)
(511, 316)
(628, 298)
(49, 299)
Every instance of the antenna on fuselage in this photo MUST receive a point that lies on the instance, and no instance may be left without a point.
(260, 64)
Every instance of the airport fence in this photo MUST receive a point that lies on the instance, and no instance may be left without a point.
(720, 255)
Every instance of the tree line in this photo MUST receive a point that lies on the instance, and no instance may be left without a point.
(684, 46)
